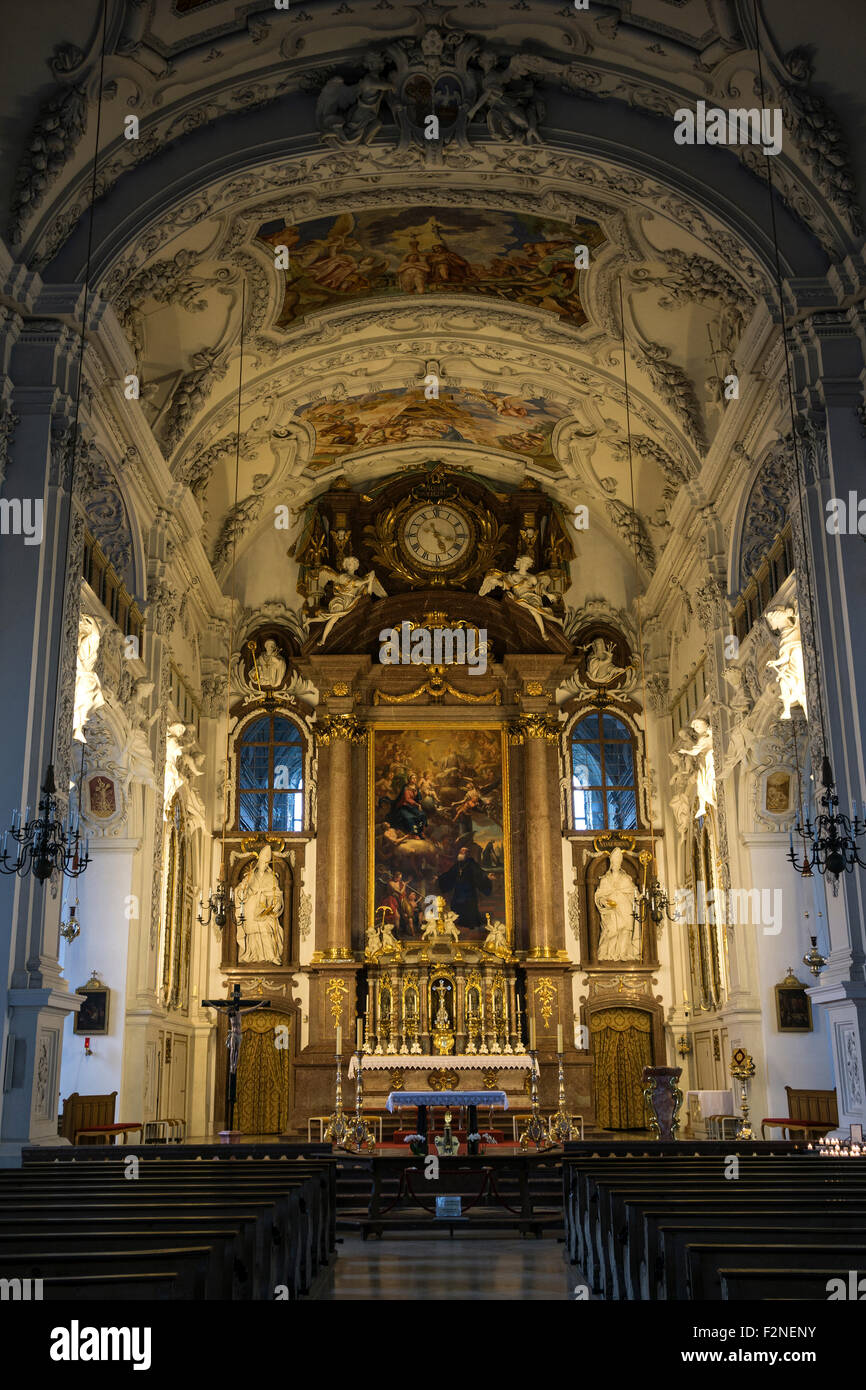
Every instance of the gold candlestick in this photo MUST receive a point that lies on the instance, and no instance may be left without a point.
(536, 1130)
(337, 1128)
(561, 1128)
(742, 1070)
(359, 1133)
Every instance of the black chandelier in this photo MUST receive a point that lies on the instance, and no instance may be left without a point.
(830, 844)
(46, 844)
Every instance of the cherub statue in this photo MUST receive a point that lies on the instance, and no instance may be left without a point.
(348, 589)
(439, 921)
(496, 940)
(601, 664)
(527, 589)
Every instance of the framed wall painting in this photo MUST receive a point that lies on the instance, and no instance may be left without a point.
(793, 1006)
(92, 1018)
(439, 821)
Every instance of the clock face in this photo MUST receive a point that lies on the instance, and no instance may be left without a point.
(436, 535)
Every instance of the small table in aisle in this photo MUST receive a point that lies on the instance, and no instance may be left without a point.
(497, 1100)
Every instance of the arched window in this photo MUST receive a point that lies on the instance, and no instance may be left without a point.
(270, 753)
(603, 786)
(177, 912)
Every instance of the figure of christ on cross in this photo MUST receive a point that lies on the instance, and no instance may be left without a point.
(234, 1007)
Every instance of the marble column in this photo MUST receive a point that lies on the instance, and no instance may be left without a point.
(40, 583)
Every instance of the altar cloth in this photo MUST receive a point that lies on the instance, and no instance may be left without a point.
(398, 1099)
(488, 1061)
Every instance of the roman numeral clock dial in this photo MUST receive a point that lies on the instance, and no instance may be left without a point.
(436, 536)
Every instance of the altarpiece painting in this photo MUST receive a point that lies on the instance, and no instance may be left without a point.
(439, 823)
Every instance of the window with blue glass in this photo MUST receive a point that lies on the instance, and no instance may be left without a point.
(603, 788)
(270, 755)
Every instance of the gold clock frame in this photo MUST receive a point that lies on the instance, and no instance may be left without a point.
(388, 548)
(420, 504)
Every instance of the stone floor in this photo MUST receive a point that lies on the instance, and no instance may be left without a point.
(438, 1267)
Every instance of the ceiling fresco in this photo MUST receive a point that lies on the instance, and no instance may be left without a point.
(509, 256)
(488, 418)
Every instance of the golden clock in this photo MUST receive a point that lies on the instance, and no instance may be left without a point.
(436, 536)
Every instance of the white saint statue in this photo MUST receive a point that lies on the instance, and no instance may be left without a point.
(271, 665)
(788, 665)
(702, 752)
(615, 898)
(259, 900)
(348, 588)
(88, 687)
(529, 590)
(600, 664)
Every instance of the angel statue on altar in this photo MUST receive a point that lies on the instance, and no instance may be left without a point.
(258, 908)
(534, 592)
(348, 588)
(615, 900)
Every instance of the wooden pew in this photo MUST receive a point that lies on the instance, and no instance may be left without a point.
(221, 1281)
(187, 1267)
(705, 1261)
(775, 1283)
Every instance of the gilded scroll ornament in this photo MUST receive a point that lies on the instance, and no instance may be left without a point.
(437, 686)
(545, 992)
(336, 991)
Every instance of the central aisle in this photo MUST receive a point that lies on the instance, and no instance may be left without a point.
(465, 1268)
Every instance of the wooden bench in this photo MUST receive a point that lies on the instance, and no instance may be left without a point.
(268, 1222)
(109, 1132)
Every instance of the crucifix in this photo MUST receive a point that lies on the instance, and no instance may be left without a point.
(234, 1007)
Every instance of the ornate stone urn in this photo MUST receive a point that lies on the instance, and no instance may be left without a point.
(664, 1098)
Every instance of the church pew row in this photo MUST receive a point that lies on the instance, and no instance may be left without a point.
(298, 1217)
(265, 1223)
(601, 1236)
(632, 1224)
(317, 1157)
(280, 1171)
(618, 1245)
(594, 1203)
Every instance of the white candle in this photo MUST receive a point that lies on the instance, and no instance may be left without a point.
(559, 1037)
(339, 1039)
(360, 1034)
(532, 1033)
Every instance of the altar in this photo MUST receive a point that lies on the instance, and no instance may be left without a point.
(498, 1073)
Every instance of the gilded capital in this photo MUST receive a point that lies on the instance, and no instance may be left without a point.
(340, 726)
(526, 726)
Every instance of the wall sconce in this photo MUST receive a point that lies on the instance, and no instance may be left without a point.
(684, 1047)
(87, 1049)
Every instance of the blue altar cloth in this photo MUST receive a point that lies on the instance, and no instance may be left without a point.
(497, 1099)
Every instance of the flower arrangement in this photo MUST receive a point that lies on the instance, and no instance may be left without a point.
(417, 1143)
